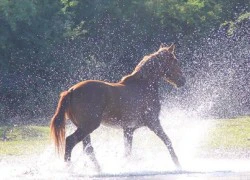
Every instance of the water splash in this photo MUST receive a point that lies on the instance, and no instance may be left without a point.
(150, 156)
(218, 80)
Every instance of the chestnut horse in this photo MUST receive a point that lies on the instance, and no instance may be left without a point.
(129, 104)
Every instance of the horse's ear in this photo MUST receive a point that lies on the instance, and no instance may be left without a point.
(171, 48)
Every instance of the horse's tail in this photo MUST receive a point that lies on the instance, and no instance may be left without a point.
(57, 126)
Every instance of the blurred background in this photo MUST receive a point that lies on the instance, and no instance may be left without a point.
(47, 46)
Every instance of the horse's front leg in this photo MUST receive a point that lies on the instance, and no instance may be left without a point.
(158, 130)
(88, 148)
(128, 138)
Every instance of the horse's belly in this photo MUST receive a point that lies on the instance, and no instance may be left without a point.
(121, 122)
(123, 114)
(111, 123)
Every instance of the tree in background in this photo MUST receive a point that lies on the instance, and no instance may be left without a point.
(45, 46)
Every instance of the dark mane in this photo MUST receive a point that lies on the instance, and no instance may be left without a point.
(135, 74)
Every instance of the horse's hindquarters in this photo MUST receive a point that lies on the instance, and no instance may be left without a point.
(88, 101)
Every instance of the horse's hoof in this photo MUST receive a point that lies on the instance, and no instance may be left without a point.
(68, 164)
(178, 167)
(98, 169)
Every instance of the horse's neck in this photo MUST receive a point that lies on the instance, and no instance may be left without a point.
(138, 79)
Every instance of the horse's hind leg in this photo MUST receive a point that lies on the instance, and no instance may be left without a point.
(158, 130)
(128, 138)
(72, 140)
(88, 148)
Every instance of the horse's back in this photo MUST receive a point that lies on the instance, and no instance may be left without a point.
(88, 101)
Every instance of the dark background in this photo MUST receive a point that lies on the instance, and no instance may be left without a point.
(47, 46)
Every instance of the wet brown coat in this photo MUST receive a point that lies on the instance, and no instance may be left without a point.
(129, 104)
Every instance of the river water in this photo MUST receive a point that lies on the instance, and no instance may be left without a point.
(150, 158)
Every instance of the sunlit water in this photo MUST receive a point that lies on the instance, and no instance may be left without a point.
(150, 156)
(219, 86)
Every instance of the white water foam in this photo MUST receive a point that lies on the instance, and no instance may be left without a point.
(187, 132)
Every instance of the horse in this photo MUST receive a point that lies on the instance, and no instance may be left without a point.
(129, 104)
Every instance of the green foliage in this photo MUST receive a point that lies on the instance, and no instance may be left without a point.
(28, 26)
(233, 25)
(243, 17)
(75, 32)
(32, 33)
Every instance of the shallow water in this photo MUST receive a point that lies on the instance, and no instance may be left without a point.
(150, 158)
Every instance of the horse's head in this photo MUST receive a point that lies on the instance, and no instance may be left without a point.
(169, 66)
(162, 63)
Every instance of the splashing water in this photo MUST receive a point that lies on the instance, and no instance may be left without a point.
(150, 156)
(220, 80)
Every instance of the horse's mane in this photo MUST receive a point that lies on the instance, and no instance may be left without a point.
(136, 73)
